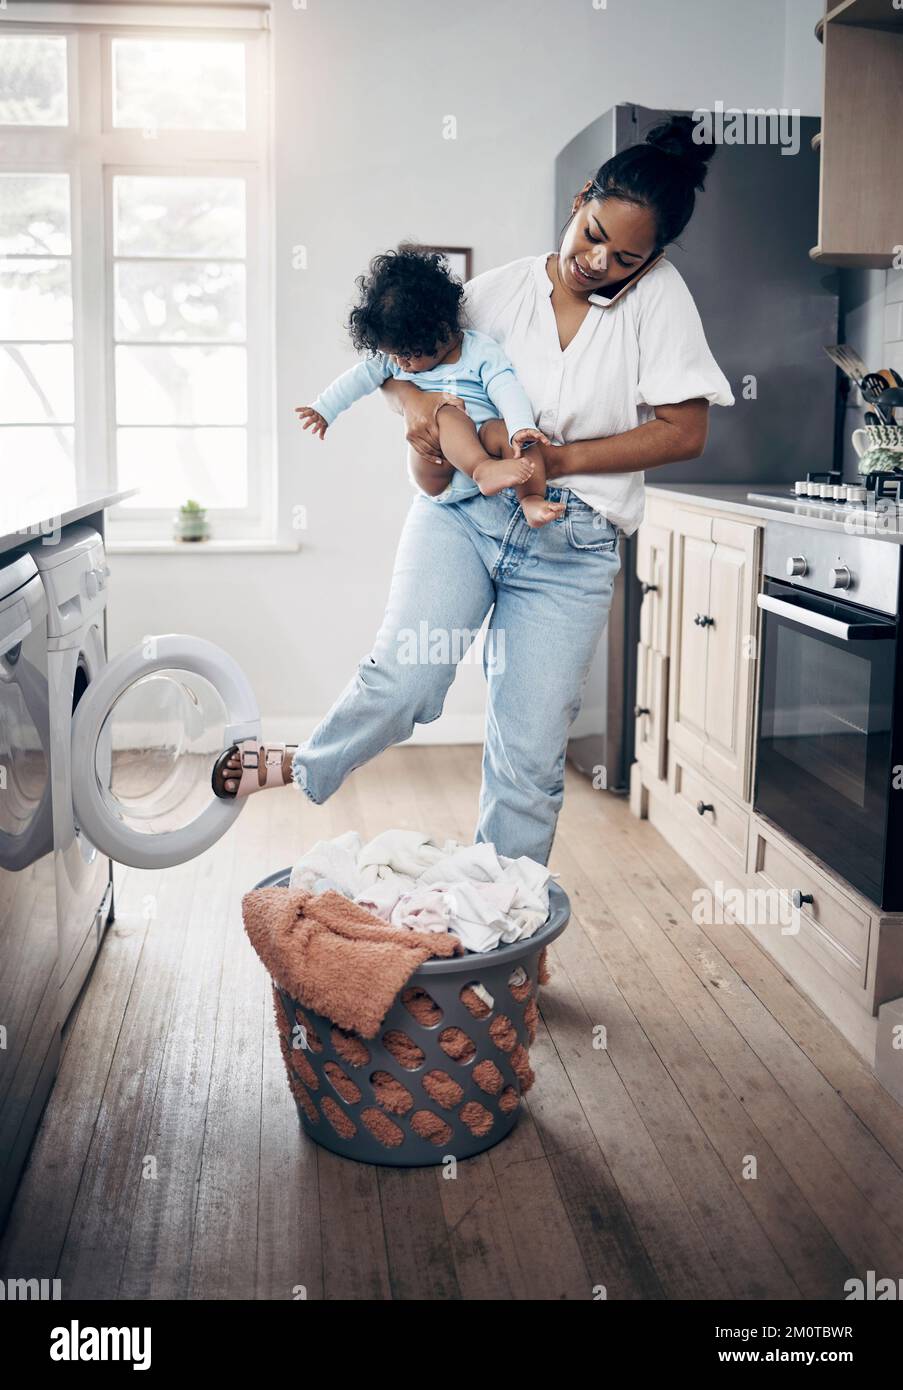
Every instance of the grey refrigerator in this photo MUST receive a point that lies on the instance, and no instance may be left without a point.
(768, 312)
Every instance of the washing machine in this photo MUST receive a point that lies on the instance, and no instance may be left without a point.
(73, 571)
(29, 1019)
(133, 739)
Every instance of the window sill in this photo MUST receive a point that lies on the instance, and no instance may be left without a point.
(216, 547)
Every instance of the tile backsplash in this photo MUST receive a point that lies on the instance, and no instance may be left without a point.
(872, 319)
(893, 321)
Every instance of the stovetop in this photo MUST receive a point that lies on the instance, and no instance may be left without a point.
(810, 505)
(828, 494)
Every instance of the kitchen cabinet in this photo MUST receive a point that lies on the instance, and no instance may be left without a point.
(653, 567)
(709, 814)
(713, 622)
(653, 570)
(861, 161)
(651, 709)
(830, 924)
(692, 779)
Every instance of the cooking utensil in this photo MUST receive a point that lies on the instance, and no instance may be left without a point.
(848, 360)
(889, 401)
(873, 387)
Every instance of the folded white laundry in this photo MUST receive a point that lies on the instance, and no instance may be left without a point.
(333, 859)
(480, 913)
(426, 909)
(410, 881)
(406, 852)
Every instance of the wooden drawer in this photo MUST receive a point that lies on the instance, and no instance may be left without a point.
(834, 928)
(651, 696)
(725, 827)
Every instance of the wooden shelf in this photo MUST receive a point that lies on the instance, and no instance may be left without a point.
(861, 208)
(867, 260)
(868, 14)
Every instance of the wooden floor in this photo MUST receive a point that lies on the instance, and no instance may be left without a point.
(169, 1163)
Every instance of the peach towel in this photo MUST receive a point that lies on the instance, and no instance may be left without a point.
(333, 956)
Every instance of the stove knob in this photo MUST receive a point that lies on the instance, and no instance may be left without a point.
(797, 565)
(91, 584)
(801, 489)
(841, 578)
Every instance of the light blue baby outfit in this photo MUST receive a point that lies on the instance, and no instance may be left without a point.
(483, 378)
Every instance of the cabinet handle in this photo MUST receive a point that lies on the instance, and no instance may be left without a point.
(798, 898)
(639, 711)
(648, 588)
(703, 620)
(702, 807)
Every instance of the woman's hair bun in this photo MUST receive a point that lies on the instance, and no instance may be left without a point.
(679, 135)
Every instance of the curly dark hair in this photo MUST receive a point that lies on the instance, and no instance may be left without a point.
(409, 302)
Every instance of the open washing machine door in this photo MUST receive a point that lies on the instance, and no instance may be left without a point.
(145, 735)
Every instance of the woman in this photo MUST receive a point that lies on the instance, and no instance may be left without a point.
(606, 340)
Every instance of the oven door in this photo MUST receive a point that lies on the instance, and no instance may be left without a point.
(823, 766)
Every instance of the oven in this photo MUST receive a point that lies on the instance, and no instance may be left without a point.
(829, 761)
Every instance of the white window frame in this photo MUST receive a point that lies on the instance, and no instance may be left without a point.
(91, 151)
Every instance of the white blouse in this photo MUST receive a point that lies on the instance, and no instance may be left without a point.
(646, 349)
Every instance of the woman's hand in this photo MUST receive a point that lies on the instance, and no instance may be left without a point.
(494, 439)
(312, 420)
(421, 425)
(525, 438)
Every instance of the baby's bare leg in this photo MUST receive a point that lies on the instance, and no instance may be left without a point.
(431, 478)
(461, 446)
(532, 494)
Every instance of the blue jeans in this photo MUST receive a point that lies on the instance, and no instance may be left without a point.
(549, 591)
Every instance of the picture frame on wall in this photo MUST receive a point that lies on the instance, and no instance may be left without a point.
(460, 260)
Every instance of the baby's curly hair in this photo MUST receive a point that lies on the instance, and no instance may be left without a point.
(409, 302)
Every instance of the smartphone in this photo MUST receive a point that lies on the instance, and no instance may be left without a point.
(629, 284)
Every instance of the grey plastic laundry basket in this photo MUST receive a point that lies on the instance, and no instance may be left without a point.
(355, 1097)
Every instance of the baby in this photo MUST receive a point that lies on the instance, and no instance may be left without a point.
(408, 320)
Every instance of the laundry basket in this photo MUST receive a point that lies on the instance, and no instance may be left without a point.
(445, 1074)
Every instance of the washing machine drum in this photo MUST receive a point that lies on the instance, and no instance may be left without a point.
(145, 735)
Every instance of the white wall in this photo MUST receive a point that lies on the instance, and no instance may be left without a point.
(361, 93)
(803, 57)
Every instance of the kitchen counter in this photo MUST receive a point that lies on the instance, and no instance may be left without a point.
(25, 521)
(886, 525)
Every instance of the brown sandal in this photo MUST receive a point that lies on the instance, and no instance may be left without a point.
(262, 765)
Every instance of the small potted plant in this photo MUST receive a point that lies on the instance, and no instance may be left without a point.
(191, 522)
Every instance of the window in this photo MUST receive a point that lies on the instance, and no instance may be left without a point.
(180, 359)
(135, 321)
(37, 396)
